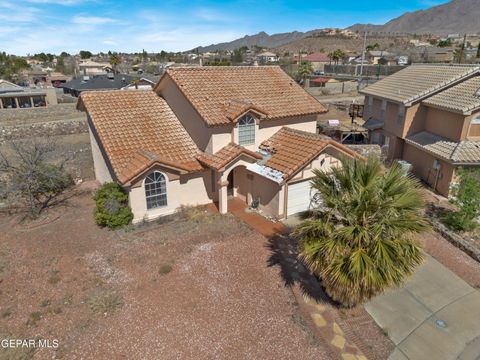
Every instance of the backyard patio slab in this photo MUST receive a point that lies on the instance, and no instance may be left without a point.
(434, 316)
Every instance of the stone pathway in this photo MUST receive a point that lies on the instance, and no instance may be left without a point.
(320, 316)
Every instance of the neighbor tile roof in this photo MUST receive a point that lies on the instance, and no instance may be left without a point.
(418, 81)
(463, 98)
(212, 89)
(317, 57)
(138, 129)
(225, 155)
(457, 152)
(293, 149)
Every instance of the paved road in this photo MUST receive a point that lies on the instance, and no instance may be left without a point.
(436, 315)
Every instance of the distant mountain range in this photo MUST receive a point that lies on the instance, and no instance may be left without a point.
(455, 17)
(261, 39)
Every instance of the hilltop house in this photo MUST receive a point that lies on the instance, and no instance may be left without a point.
(429, 116)
(207, 133)
(267, 57)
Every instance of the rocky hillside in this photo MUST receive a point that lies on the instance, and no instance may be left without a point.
(454, 17)
(331, 43)
(261, 39)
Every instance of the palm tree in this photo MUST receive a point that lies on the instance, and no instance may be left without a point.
(360, 241)
(114, 61)
(305, 69)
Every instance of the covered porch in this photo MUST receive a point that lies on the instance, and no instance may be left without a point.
(234, 176)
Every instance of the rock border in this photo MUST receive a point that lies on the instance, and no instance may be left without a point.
(452, 237)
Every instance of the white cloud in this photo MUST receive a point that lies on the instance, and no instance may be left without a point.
(110, 42)
(92, 20)
(12, 12)
(57, 2)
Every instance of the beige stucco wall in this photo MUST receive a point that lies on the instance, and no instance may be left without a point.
(422, 163)
(103, 172)
(212, 139)
(324, 162)
(51, 96)
(267, 128)
(473, 130)
(414, 119)
(189, 189)
(447, 124)
(185, 112)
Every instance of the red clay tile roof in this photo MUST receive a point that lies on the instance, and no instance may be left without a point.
(210, 89)
(317, 57)
(138, 129)
(225, 155)
(293, 149)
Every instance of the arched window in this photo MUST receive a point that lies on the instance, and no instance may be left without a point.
(246, 130)
(155, 190)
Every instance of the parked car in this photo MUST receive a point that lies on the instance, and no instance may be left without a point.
(318, 72)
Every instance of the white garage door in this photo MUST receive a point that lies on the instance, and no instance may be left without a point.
(299, 195)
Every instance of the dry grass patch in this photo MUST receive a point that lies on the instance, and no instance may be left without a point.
(106, 301)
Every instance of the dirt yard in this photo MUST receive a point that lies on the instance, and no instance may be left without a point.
(197, 286)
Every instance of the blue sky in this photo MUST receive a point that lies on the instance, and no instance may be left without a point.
(31, 26)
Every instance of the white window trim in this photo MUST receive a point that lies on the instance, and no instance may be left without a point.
(165, 192)
(250, 126)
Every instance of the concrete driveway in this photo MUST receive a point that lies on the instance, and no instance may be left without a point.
(436, 315)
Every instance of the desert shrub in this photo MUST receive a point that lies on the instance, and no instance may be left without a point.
(30, 177)
(466, 196)
(105, 302)
(112, 208)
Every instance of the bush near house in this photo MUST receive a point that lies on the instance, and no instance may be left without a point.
(112, 208)
(467, 198)
(361, 240)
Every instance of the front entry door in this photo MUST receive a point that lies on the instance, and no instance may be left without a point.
(230, 185)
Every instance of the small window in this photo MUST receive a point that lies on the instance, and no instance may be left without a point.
(246, 130)
(155, 190)
(476, 121)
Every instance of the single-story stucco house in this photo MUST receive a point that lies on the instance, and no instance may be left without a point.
(207, 133)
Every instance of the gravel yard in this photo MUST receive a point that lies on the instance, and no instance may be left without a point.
(196, 287)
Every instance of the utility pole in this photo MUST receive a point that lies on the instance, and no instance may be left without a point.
(462, 52)
(363, 57)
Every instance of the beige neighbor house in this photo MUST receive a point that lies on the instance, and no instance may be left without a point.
(429, 116)
(207, 133)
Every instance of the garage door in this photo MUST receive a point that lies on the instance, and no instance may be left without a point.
(299, 195)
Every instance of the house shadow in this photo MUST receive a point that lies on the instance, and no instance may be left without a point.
(284, 251)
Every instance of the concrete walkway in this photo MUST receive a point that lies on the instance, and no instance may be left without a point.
(436, 315)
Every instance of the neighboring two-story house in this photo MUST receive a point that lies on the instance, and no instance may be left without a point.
(429, 116)
(206, 133)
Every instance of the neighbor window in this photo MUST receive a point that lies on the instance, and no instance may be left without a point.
(476, 121)
(246, 130)
(155, 190)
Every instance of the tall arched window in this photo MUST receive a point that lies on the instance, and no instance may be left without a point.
(246, 130)
(155, 190)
